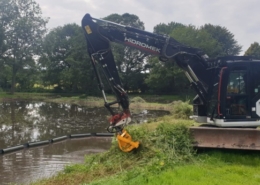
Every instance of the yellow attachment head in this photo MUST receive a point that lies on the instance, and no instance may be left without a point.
(125, 142)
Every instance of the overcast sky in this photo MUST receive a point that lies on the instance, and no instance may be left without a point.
(241, 17)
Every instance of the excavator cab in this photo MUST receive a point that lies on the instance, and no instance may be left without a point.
(234, 101)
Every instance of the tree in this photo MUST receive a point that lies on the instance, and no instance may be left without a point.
(197, 38)
(166, 78)
(1, 40)
(163, 28)
(130, 62)
(65, 61)
(253, 50)
(28, 77)
(226, 39)
(169, 78)
(215, 41)
(23, 26)
(127, 20)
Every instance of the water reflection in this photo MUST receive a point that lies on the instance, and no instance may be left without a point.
(32, 164)
(21, 122)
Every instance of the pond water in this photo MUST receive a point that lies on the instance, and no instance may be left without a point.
(21, 122)
(32, 164)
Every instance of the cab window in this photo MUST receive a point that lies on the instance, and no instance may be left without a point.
(236, 100)
(236, 83)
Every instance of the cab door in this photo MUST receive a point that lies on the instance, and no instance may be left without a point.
(255, 89)
(237, 99)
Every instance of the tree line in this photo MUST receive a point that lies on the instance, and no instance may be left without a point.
(35, 60)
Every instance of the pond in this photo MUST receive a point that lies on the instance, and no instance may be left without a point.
(22, 122)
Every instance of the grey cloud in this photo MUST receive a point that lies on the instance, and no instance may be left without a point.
(240, 17)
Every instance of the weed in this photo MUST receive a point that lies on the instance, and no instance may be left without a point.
(182, 110)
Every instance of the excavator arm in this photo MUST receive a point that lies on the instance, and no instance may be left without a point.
(100, 33)
(99, 50)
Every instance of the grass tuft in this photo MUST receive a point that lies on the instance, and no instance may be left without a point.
(181, 110)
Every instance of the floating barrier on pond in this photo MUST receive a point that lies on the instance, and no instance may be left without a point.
(105, 134)
(59, 139)
(12, 149)
(46, 142)
(38, 143)
(81, 135)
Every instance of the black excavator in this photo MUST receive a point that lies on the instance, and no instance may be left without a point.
(228, 88)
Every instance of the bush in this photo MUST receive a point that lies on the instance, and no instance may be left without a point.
(181, 109)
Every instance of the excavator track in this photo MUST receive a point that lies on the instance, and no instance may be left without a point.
(226, 138)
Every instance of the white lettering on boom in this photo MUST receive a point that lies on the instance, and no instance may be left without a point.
(144, 45)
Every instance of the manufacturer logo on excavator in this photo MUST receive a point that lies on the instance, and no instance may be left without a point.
(141, 44)
(88, 30)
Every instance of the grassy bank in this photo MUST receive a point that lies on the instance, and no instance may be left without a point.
(165, 157)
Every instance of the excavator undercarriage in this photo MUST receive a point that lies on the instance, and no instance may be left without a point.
(226, 138)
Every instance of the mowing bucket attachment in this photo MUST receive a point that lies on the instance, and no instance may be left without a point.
(125, 142)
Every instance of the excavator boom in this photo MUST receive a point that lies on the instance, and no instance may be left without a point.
(99, 34)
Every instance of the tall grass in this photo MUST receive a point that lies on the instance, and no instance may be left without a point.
(165, 145)
(181, 110)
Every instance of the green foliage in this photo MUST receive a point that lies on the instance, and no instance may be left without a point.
(225, 38)
(213, 167)
(163, 28)
(181, 109)
(130, 62)
(215, 41)
(65, 61)
(27, 77)
(2, 44)
(23, 27)
(126, 19)
(5, 76)
(174, 140)
(166, 78)
(253, 50)
(197, 38)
